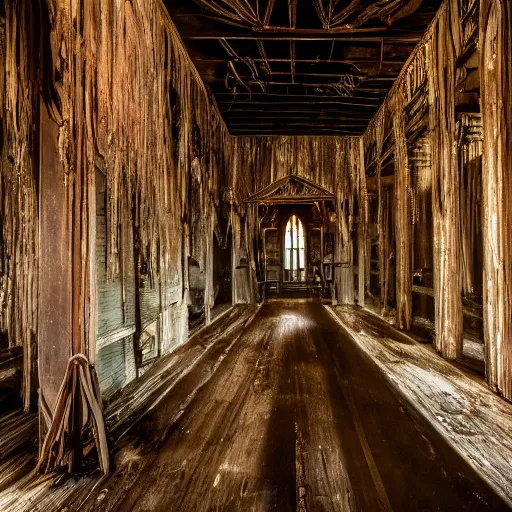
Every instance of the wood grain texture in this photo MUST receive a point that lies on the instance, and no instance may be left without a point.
(334, 163)
(259, 56)
(422, 102)
(458, 406)
(133, 108)
(441, 54)
(19, 250)
(284, 412)
(496, 75)
(403, 213)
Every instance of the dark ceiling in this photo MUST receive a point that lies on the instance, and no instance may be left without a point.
(300, 66)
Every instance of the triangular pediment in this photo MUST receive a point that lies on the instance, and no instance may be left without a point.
(291, 188)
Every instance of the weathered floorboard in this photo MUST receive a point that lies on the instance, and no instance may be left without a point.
(458, 405)
(294, 417)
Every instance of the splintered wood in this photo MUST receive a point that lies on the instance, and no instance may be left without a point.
(77, 423)
(18, 189)
(441, 54)
(422, 103)
(496, 93)
(402, 215)
(131, 107)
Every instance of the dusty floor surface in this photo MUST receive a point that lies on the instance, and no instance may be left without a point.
(295, 417)
(453, 399)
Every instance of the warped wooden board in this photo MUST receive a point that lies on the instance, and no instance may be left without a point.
(53, 493)
(473, 419)
(286, 413)
(143, 394)
(295, 417)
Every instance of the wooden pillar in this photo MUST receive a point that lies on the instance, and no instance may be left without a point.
(209, 292)
(362, 227)
(344, 250)
(470, 177)
(241, 276)
(382, 213)
(496, 101)
(67, 234)
(55, 276)
(445, 190)
(403, 215)
(343, 270)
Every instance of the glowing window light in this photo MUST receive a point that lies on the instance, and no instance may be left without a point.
(294, 248)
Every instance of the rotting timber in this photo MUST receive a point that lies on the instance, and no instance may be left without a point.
(164, 161)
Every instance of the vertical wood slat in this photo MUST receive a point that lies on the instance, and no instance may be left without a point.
(445, 189)
(403, 215)
(470, 148)
(55, 279)
(362, 227)
(375, 135)
(19, 250)
(496, 101)
(347, 190)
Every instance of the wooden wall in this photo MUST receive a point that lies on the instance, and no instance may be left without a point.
(335, 163)
(130, 112)
(496, 87)
(19, 161)
(452, 94)
(132, 108)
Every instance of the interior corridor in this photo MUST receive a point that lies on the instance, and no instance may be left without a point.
(255, 255)
(295, 417)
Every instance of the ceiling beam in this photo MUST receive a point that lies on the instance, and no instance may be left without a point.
(268, 12)
(279, 112)
(280, 131)
(308, 84)
(240, 54)
(296, 126)
(298, 122)
(354, 60)
(376, 103)
(378, 94)
(314, 116)
(392, 36)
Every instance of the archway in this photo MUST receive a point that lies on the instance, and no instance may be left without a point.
(294, 251)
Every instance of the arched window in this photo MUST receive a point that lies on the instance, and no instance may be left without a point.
(294, 250)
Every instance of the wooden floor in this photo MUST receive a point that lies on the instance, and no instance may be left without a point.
(294, 418)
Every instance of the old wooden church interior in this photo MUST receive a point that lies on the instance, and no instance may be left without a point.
(255, 255)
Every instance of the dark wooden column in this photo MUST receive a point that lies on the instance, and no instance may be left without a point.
(496, 102)
(55, 278)
(67, 284)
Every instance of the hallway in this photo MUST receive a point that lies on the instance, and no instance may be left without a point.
(294, 418)
(255, 255)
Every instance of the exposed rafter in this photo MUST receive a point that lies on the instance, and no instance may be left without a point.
(259, 56)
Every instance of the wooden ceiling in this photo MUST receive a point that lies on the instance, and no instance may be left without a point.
(312, 67)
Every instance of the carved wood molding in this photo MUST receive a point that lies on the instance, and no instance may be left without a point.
(291, 189)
